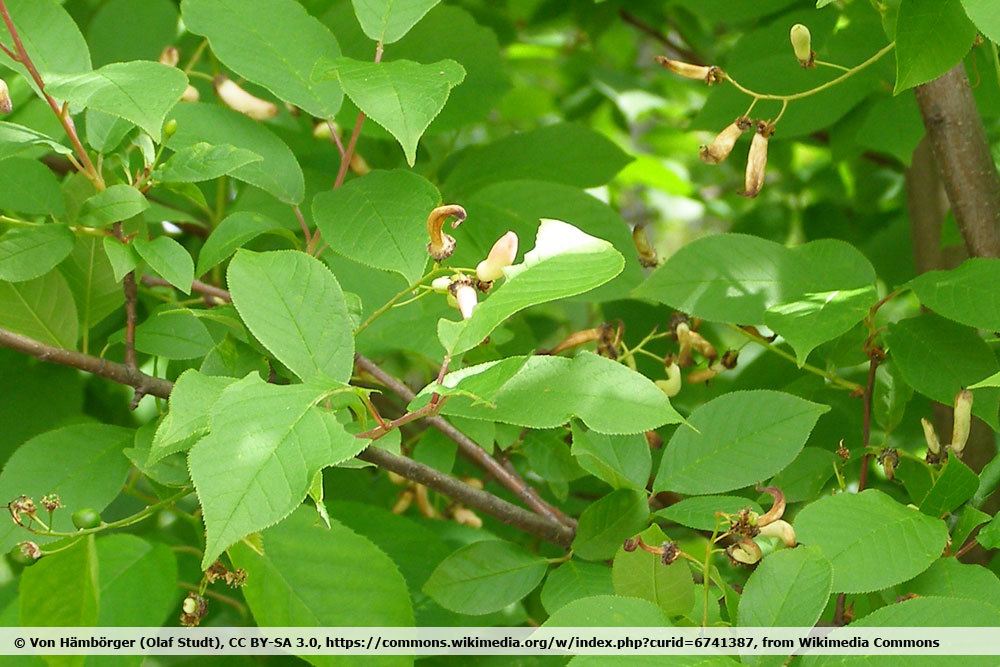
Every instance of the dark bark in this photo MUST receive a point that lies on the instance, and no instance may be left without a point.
(962, 152)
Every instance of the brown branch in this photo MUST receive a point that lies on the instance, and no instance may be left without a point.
(468, 447)
(502, 510)
(111, 370)
(962, 151)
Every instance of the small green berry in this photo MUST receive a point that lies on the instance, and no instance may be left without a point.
(86, 518)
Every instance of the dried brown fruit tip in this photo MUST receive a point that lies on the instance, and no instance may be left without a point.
(757, 160)
(631, 544)
(442, 245)
(21, 505)
(671, 552)
(710, 74)
(723, 144)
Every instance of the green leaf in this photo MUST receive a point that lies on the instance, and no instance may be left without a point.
(989, 535)
(191, 402)
(472, 43)
(963, 294)
(122, 257)
(126, 564)
(30, 187)
(233, 232)
(565, 153)
(308, 575)
(174, 334)
(549, 457)
(379, 220)
(991, 381)
(402, 96)
(574, 580)
(29, 252)
(736, 440)
(266, 443)
(986, 15)
(642, 575)
(50, 36)
(124, 30)
(387, 21)
(171, 471)
(871, 540)
(83, 463)
(564, 262)
(956, 484)
(15, 139)
(204, 162)
(117, 203)
(278, 173)
(789, 588)
(699, 512)
(169, 259)
(104, 131)
(62, 589)
(608, 611)
(91, 279)
(484, 577)
(938, 358)
(546, 392)
(274, 43)
(623, 462)
(809, 322)
(931, 37)
(295, 307)
(969, 519)
(891, 396)
(605, 524)
(42, 309)
(758, 274)
(415, 547)
(805, 477)
(948, 577)
(141, 92)
(930, 611)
